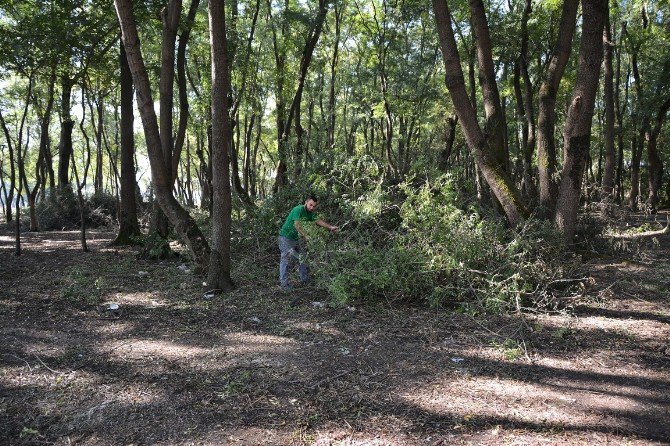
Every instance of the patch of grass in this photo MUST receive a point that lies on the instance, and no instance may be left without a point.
(511, 349)
(79, 286)
(561, 333)
(235, 385)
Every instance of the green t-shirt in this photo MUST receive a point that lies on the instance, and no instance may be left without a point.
(298, 213)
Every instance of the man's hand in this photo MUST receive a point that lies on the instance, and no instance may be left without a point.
(334, 229)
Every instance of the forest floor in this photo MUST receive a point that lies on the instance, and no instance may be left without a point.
(173, 366)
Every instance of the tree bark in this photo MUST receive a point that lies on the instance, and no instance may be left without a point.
(65, 144)
(181, 85)
(577, 132)
(128, 224)
(610, 158)
(655, 164)
(305, 61)
(9, 196)
(497, 178)
(219, 271)
(528, 147)
(546, 120)
(184, 224)
(638, 147)
(495, 127)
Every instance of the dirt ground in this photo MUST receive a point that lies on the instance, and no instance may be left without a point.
(173, 366)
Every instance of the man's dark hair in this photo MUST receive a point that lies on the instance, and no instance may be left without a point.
(312, 197)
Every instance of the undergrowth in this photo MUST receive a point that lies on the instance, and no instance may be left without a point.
(423, 241)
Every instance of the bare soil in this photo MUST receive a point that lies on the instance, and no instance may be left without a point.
(259, 367)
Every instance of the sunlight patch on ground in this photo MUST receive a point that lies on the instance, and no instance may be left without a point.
(142, 298)
(152, 349)
(524, 402)
(252, 350)
(313, 327)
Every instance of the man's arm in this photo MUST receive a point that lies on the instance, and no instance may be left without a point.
(326, 225)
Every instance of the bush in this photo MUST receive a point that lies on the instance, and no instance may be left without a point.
(424, 241)
(440, 254)
(61, 211)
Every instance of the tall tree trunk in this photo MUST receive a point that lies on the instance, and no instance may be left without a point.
(128, 224)
(546, 120)
(219, 271)
(528, 187)
(608, 174)
(339, 9)
(638, 148)
(495, 127)
(305, 61)
(184, 224)
(619, 117)
(655, 164)
(98, 178)
(497, 178)
(40, 167)
(170, 19)
(577, 133)
(65, 144)
(181, 85)
(9, 196)
(281, 178)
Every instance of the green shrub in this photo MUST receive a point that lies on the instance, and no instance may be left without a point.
(424, 241)
(60, 211)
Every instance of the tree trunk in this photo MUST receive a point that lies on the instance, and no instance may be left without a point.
(619, 117)
(219, 271)
(495, 127)
(339, 9)
(655, 164)
(9, 196)
(128, 224)
(184, 224)
(98, 177)
(281, 178)
(546, 120)
(449, 138)
(181, 85)
(528, 186)
(65, 144)
(305, 61)
(577, 133)
(608, 174)
(497, 178)
(638, 148)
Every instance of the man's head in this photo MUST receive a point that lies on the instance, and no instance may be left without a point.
(311, 202)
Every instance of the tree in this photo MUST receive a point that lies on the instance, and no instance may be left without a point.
(498, 180)
(577, 131)
(546, 121)
(219, 271)
(128, 224)
(161, 179)
(608, 93)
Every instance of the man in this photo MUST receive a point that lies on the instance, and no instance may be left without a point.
(289, 238)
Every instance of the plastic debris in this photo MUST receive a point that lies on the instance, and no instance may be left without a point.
(317, 304)
(457, 360)
(143, 273)
(255, 320)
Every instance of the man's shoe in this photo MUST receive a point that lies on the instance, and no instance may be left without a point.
(286, 288)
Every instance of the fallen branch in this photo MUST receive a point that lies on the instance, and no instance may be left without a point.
(645, 234)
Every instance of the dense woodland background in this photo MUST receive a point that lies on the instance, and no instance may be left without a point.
(456, 145)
